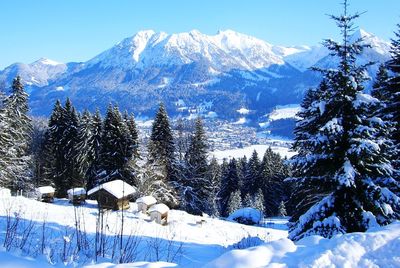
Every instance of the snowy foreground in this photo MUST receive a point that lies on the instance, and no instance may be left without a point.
(196, 241)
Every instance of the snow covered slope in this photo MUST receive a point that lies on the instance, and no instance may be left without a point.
(228, 69)
(376, 248)
(213, 243)
(37, 73)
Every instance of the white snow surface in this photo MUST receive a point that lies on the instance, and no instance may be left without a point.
(243, 111)
(161, 208)
(76, 191)
(284, 112)
(379, 247)
(117, 188)
(247, 151)
(206, 245)
(249, 213)
(148, 200)
(45, 190)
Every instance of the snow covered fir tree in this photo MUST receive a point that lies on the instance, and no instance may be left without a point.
(342, 149)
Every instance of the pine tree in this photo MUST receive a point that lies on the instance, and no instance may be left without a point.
(195, 187)
(229, 184)
(391, 91)
(234, 202)
(82, 145)
(273, 172)
(93, 149)
(252, 175)
(116, 149)
(259, 201)
(161, 145)
(345, 151)
(282, 209)
(131, 124)
(161, 156)
(248, 201)
(380, 84)
(214, 178)
(15, 161)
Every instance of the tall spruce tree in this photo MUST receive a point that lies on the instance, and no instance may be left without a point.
(392, 102)
(116, 149)
(161, 145)
(345, 152)
(195, 187)
(15, 162)
(161, 158)
(214, 178)
(229, 184)
(93, 149)
(252, 178)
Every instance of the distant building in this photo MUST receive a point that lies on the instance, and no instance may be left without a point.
(45, 194)
(77, 196)
(159, 213)
(4, 193)
(145, 202)
(113, 195)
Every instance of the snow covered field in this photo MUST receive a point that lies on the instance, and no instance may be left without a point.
(211, 243)
(247, 151)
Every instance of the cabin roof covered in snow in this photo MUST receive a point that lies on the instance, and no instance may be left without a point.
(160, 208)
(148, 200)
(4, 192)
(76, 191)
(45, 190)
(117, 188)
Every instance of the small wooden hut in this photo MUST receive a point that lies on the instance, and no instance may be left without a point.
(113, 195)
(5, 193)
(159, 213)
(45, 194)
(145, 202)
(77, 196)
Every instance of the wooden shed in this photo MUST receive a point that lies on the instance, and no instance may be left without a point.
(4, 193)
(145, 202)
(159, 213)
(113, 195)
(77, 196)
(45, 194)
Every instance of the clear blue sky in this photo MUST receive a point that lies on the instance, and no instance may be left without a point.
(77, 30)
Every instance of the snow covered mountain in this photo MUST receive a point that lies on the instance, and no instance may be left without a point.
(37, 73)
(190, 72)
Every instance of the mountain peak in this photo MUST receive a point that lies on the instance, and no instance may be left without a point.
(46, 61)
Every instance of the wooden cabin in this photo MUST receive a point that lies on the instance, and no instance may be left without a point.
(45, 194)
(5, 193)
(113, 195)
(145, 202)
(77, 196)
(159, 213)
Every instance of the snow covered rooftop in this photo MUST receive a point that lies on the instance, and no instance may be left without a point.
(76, 191)
(45, 190)
(161, 208)
(4, 192)
(148, 200)
(117, 188)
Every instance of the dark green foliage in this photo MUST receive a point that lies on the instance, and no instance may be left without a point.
(15, 138)
(229, 184)
(161, 145)
(341, 149)
(116, 149)
(195, 186)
